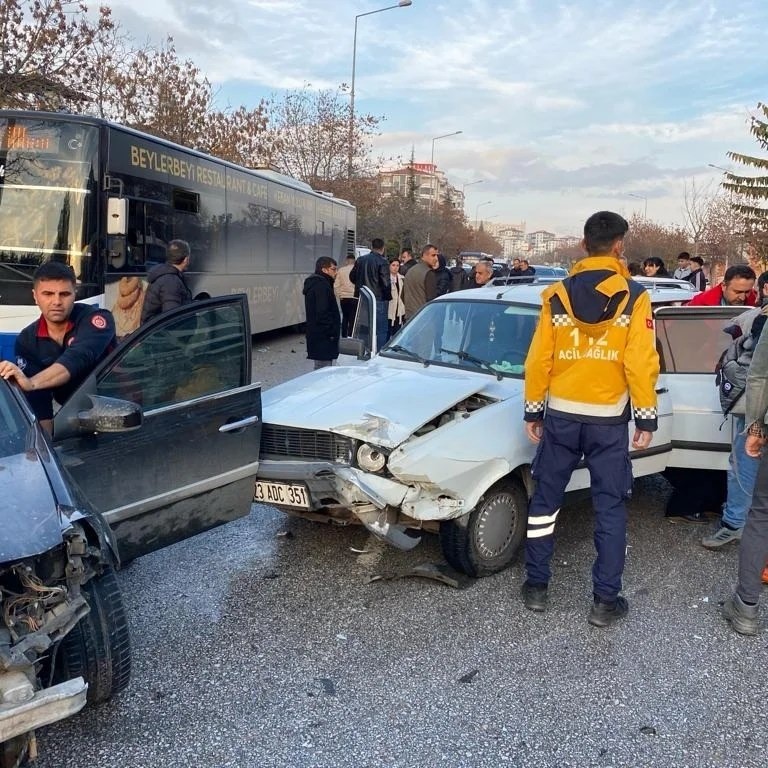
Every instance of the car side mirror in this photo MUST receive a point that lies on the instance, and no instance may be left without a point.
(353, 347)
(109, 414)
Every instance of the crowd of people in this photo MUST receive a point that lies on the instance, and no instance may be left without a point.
(401, 285)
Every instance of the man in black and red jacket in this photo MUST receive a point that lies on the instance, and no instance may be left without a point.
(57, 352)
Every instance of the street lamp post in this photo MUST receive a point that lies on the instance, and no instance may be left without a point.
(401, 4)
(644, 199)
(477, 211)
(433, 192)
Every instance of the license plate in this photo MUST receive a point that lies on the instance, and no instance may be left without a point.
(284, 494)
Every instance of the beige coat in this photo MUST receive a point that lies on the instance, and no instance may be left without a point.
(343, 287)
(396, 307)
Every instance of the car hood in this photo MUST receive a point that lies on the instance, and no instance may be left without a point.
(375, 403)
(29, 517)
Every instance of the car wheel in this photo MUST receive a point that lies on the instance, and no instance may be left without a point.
(98, 648)
(487, 539)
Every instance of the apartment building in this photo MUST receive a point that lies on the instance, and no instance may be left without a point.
(430, 184)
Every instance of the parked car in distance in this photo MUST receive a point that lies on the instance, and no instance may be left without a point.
(428, 434)
(161, 442)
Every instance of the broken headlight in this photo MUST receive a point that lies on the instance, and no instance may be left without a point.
(370, 458)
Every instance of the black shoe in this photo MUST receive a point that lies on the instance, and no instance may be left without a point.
(535, 596)
(693, 517)
(604, 614)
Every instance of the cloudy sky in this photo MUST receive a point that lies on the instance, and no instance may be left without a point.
(565, 107)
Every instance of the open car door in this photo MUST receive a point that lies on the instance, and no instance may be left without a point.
(361, 346)
(163, 437)
(691, 341)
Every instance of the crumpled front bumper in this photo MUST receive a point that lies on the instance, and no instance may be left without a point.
(45, 707)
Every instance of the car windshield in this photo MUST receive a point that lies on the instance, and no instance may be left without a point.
(488, 336)
(13, 425)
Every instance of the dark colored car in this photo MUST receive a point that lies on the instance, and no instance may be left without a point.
(161, 442)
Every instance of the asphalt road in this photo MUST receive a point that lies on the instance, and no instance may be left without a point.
(264, 643)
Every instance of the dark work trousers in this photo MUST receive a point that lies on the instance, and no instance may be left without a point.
(753, 549)
(606, 453)
(348, 309)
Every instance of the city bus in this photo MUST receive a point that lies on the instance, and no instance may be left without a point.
(108, 199)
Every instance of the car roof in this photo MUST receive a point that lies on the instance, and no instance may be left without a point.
(663, 291)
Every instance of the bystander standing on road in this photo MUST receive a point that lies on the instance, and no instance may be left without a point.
(418, 289)
(344, 289)
(459, 276)
(736, 289)
(56, 353)
(741, 608)
(406, 261)
(570, 417)
(696, 275)
(683, 266)
(396, 308)
(746, 330)
(481, 274)
(166, 286)
(372, 271)
(323, 317)
(653, 266)
(439, 279)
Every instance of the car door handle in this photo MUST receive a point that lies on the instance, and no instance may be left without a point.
(662, 390)
(233, 426)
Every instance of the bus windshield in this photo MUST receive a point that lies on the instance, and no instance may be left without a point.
(47, 199)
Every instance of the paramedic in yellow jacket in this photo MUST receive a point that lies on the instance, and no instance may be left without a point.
(591, 366)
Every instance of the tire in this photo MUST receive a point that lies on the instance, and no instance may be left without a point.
(99, 647)
(487, 539)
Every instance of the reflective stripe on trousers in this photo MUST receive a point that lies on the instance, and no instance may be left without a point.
(606, 453)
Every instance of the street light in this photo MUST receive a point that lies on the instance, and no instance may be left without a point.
(401, 4)
(432, 159)
(470, 183)
(719, 167)
(434, 175)
(477, 210)
(641, 197)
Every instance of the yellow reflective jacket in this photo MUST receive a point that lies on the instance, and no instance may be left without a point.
(594, 349)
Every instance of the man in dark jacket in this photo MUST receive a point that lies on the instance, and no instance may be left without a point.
(459, 276)
(57, 352)
(372, 271)
(418, 288)
(439, 279)
(167, 288)
(323, 316)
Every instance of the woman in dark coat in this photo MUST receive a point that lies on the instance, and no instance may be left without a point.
(323, 317)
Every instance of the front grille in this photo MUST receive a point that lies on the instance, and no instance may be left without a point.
(290, 443)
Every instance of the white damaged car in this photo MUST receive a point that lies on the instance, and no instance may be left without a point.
(428, 433)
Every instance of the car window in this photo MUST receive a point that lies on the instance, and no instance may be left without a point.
(187, 357)
(473, 335)
(13, 425)
(690, 344)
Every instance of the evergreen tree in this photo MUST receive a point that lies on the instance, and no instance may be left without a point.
(752, 191)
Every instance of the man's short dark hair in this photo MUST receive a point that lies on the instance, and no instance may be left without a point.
(404, 251)
(178, 250)
(602, 230)
(698, 260)
(377, 244)
(761, 282)
(739, 271)
(428, 247)
(684, 255)
(323, 263)
(54, 270)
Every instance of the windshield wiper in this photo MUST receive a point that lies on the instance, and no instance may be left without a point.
(484, 364)
(410, 353)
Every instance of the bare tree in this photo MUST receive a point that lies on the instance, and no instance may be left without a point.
(311, 135)
(697, 201)
(648, 238)
(45, 53)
